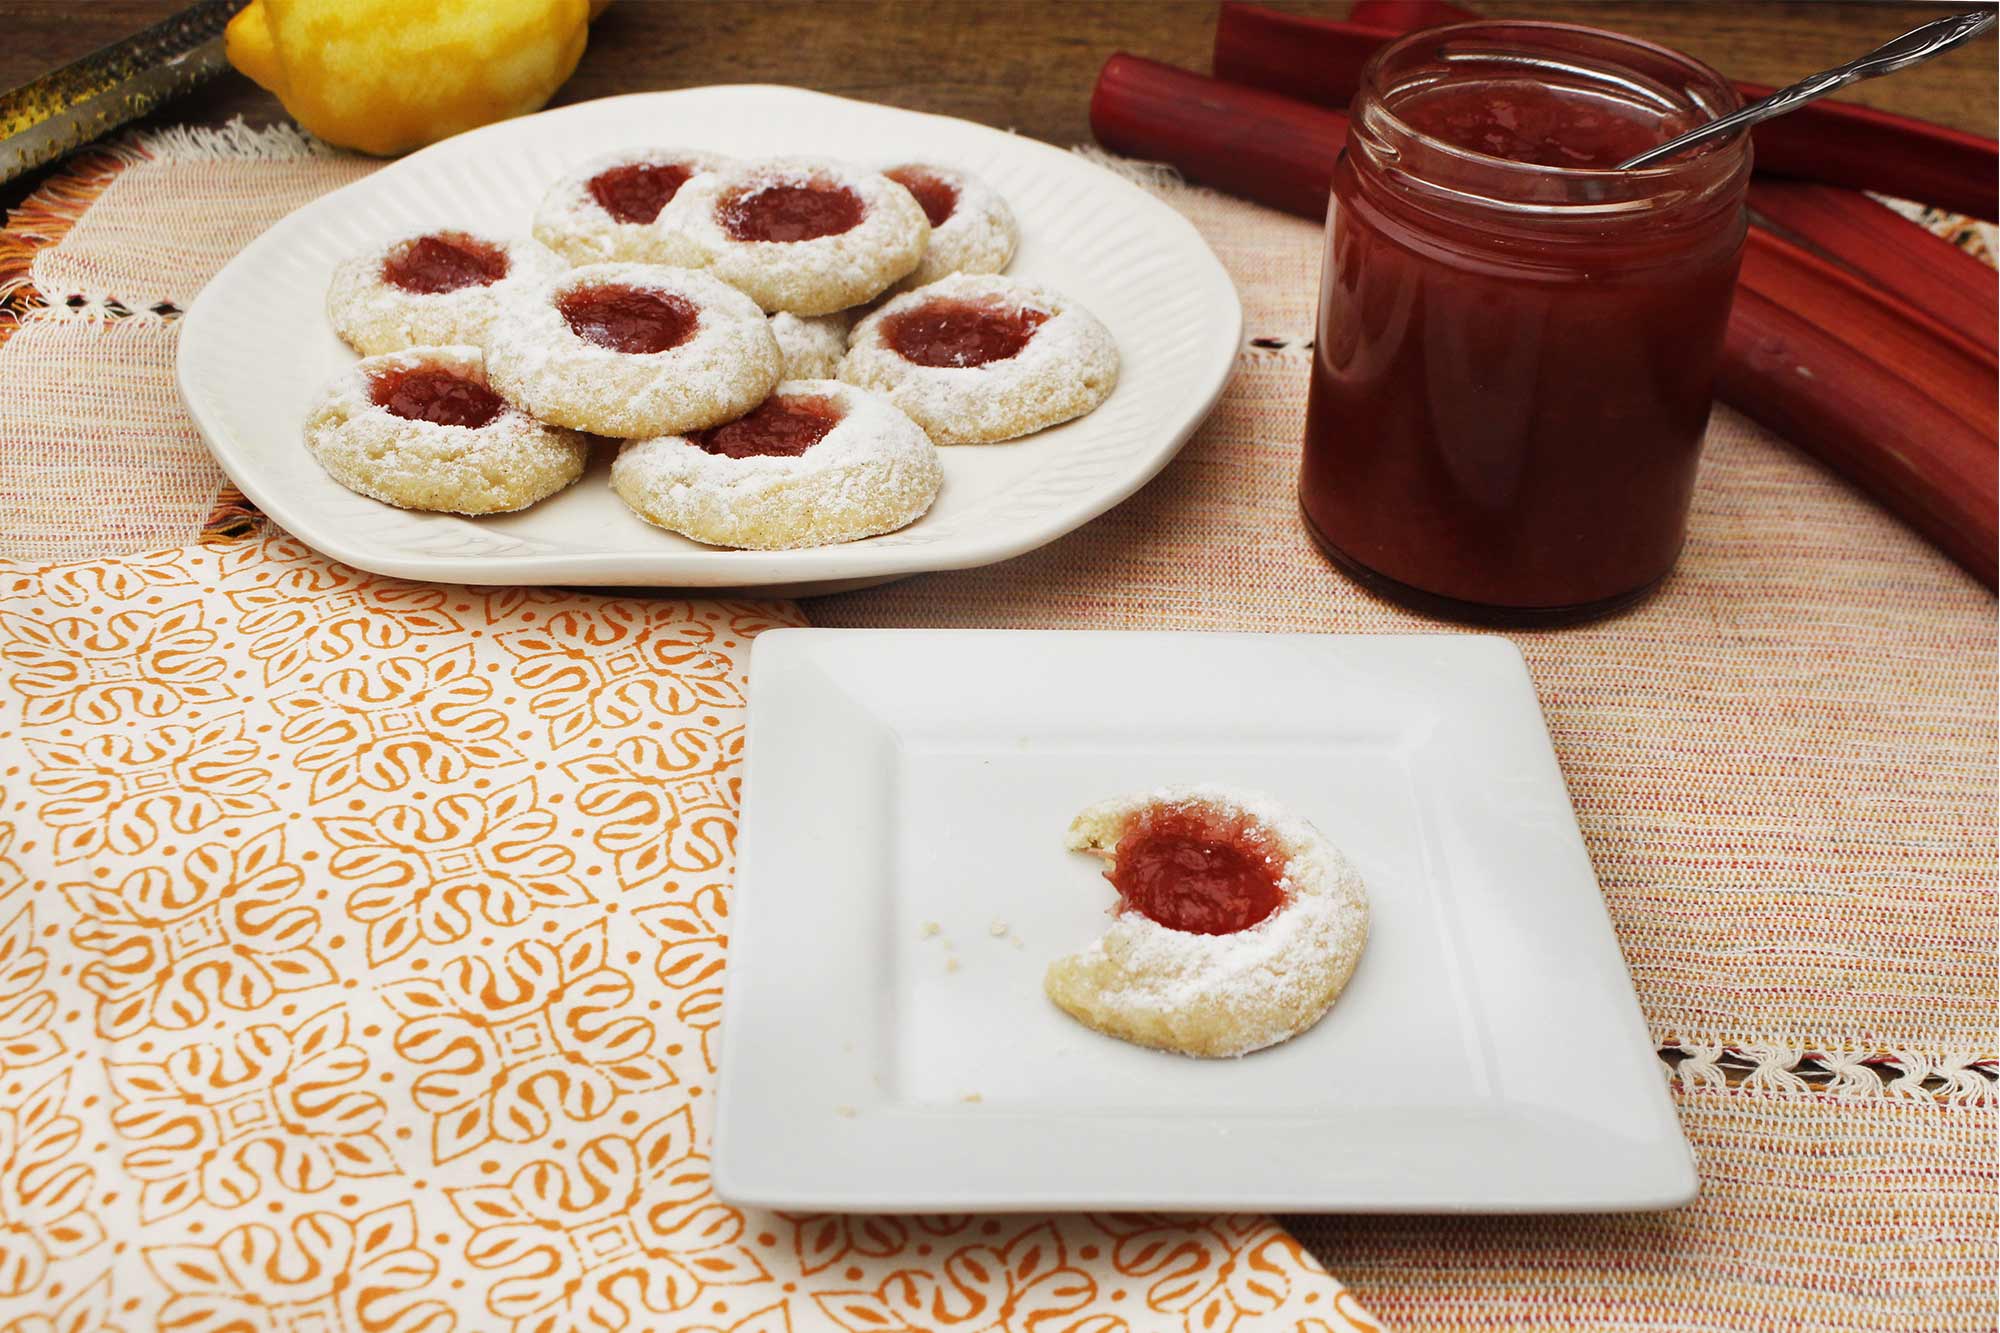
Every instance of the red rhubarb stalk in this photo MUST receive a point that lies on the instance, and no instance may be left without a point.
(1929, 272)
(1834, 143)
(1853, 375)
(1880, 430)
(1407, 15)
(1322, 61)
(1315, 60)
(1257, 145)
(1958, 374)
(1839, 143)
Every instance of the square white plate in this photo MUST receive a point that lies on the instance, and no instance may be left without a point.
(1488, 1054)
(255, 347)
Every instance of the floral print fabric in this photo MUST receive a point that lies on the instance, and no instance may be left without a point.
(361, 952)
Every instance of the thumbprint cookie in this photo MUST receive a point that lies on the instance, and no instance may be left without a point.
(978, 358)
(972, 229)
(817, 462)
(632, 350)
(812, 345)
(1237, 924)
(437, 288)
(422, 429)
(807, 235)
(608, 209)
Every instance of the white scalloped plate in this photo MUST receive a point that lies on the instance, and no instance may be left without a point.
(255, 346)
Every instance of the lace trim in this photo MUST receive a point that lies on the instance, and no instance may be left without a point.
(1278, 343)
(232, 142)
(45, 217)
(1959, 1077)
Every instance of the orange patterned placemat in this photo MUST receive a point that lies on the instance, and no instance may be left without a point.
(360, 958)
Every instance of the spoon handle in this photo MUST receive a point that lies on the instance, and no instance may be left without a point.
(1918, 44)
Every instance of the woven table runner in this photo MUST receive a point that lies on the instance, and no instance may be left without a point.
(361, 941)
(1783, 765)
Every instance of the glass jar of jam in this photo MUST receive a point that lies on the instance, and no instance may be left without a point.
(1517, 342)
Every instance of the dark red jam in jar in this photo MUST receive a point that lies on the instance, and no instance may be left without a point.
(437, 395)
(1195, 870)
(961, 333)
(444, 262)
(1517, 343)
(628, 319)
(790, 211)
(779, 427)
(637, 191)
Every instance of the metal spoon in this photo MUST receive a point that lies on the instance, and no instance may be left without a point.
(1913, 47)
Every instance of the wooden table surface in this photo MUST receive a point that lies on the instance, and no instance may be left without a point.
(1028, 65)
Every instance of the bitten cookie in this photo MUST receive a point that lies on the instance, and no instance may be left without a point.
(811, 345)
(421, 429)
(978, 358)
(807, 235)
(433, 289)
(608, 209)
(632, 350)
(972, 229)
(1237, 924)
(817, 462)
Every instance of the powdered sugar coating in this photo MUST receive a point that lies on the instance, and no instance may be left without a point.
(506, 464)
(815, 277)
(541, 366)
(978, 237)
(373, 316)
(1218, 995)
(1069, 366)
(572, 223)
(811, 345)
(874, 472)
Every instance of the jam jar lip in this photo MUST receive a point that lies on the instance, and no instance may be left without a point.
(1585, 57)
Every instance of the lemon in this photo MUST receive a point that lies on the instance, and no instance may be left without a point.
(386, 76)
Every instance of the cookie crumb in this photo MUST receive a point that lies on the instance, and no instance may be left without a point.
(931, 928)
(998, 929)
(845, 1111)
(972, 1097)
(951, 964)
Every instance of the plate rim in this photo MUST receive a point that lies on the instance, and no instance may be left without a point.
(1664, 1177)
(797, 570)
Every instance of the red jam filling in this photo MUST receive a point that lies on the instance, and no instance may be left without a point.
(628, 319)
(1197, 871)
(937, 196)
(437, 395)
(1538, 124)
(638, 191)
(961, 333)
(777, 428)
(790, 212)
(444, 262)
